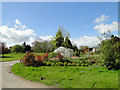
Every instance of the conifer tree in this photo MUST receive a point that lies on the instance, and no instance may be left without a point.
(59, 39)
(67, 43)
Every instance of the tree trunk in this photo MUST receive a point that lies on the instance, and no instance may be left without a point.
(2, 55)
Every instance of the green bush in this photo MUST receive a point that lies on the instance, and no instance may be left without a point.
(69, 64)
(110, 50)
(53, 54)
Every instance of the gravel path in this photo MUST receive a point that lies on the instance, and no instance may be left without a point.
(10, 80)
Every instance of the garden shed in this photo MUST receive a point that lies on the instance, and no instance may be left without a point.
(66, 52)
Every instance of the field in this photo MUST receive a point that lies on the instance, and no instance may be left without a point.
(13, 56)
(69, 77)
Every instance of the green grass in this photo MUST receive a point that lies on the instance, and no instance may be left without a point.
(13, 56)
(69, 77)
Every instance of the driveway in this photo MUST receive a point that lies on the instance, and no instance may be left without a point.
(10, 80)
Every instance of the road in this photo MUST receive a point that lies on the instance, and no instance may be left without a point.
(9, 80)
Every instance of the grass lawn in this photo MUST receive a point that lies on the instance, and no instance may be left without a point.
(13, 56)
(69, 77)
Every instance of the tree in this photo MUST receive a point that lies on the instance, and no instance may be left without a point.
(110, 51)
(24, 44)
(3, 49)
(25, 47)
(17, 48)
(36, 46)
(67, 43)
(64, 32)
(75, 48)
(82, 48)
(59, 39)
(43, 46)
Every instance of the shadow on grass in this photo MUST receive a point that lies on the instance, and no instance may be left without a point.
(5, 57)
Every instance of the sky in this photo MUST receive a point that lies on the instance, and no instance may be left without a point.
(30, 21)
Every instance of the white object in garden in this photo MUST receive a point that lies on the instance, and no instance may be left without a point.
(66, 52)
(93, 50)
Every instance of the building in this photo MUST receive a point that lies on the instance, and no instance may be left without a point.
(66, 52)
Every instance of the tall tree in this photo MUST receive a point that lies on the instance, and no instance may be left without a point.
(25, 47)
(59, 39)
(64, 32)
(24, 44)
(67, 43)
(36, 46)
(75, 48)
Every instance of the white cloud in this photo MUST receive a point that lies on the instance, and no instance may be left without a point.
(102, 18)
(17, 21)
(104, 28)
(90, 41)
(15, 35)
(45, 38)
(19, 34)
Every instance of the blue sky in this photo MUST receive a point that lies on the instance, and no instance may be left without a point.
(76, 18)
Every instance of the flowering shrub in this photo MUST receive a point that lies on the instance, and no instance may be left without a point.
(45, 56)
(93, 59)
(29, 59)
(60, 57)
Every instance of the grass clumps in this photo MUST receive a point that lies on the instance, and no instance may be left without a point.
(69, 77)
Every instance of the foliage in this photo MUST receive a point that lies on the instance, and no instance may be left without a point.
(110, 52)
(59, 39)
(75, 48)
(76, 53)
(25, 47)
(69, 77)
(82, 48)
(17, 48)
(3, 49)
(29, 59)
(15, 56)
(67, 43)
(43, 46)
(32, 59)
(53, 54)
(60, 57)
(64, 32)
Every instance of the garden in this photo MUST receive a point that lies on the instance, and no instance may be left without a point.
(84, 69)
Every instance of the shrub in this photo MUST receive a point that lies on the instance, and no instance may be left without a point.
(60, 57)
(110, 49)
(65, 63)
(48, 63)
(53, 54)
(56, 64)
(52, 64)
(73, 64)
(77, 64)
(29, 59)
(45, 56)
(69, 64)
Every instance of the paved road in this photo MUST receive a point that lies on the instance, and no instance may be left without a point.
(10, 80)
